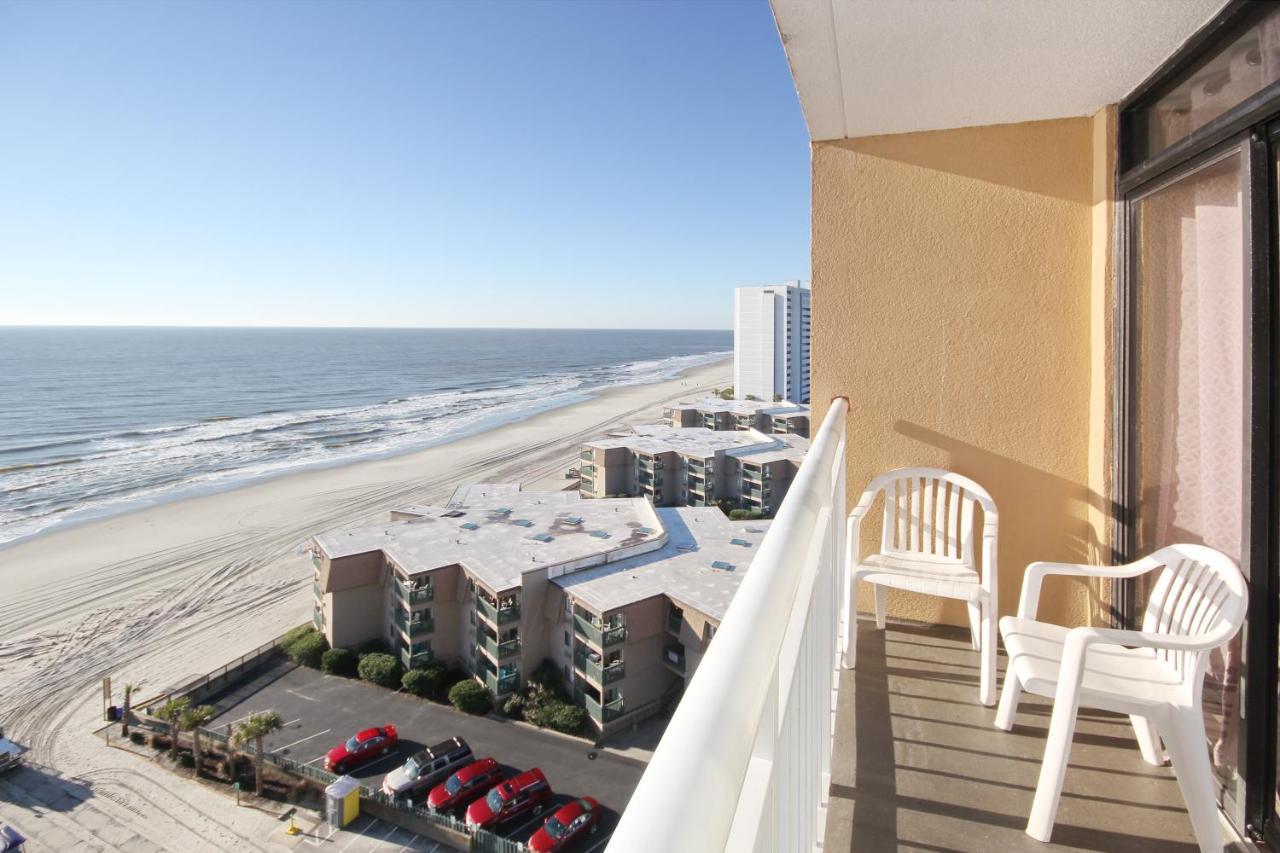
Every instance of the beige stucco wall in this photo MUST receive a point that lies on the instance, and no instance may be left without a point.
(956, 284)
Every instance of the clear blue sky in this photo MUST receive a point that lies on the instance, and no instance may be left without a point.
(583, 164)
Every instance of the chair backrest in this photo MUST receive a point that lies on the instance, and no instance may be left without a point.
(931, 511)
(1200, 593)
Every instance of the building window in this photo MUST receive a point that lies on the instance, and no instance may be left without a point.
(566, 639)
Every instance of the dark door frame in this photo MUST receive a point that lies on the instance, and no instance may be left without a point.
(1254, 126)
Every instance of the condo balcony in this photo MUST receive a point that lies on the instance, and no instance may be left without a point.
(416, 627)
(606, 713)
(598, 635)
(411, 593)
(499, 651)
(895, 754)
(498, 614)
(673, 657)
(598, 672)
(503, 682)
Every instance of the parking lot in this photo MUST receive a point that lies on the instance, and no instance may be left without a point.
(321, 711)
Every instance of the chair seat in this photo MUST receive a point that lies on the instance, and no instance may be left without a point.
(941, 576)
(1115, 678)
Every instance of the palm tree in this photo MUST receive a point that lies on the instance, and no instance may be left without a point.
(124, 725)
(171, 712)
(192, 720)
(255, 728)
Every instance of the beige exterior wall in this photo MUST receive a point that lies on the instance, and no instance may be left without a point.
(961, 283)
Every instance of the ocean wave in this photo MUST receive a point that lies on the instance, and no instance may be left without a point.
(139, 466)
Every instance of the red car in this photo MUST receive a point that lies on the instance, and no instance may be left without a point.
(465, 785)
(368, 744)
(574, 820)
(528, 792)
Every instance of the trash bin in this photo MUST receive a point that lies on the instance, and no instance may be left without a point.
(342, 801)
(11, 841)
(113, 714)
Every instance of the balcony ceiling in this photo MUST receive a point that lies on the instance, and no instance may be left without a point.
(869, 67)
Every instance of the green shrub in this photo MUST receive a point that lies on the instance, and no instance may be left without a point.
(727, 393)
(563, 717)
(294, 634)
(307, 649)
(514, 706)
(186, 759)
(423, 682)
(137, 737)
(339, 662)
(743, 515)
(380, 669)
(469, 697)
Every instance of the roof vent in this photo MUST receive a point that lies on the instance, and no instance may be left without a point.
(722, 566)
(542, 537)
(523, 522)
(469, 525)
(600, 534)
(744, 543)
(453, 513)
(644, 531)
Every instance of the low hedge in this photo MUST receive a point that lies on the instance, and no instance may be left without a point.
(469, 697)
(339, 661)
(380, 669)
(425, 681)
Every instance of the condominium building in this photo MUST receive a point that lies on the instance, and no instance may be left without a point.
(718, 414)
(621, 596)
(771, 342)
(692, 466)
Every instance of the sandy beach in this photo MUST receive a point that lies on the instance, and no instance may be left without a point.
(161, 594)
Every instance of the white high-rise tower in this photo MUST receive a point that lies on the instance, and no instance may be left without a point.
(771, 342)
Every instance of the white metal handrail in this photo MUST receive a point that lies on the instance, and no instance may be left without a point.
(744, 764)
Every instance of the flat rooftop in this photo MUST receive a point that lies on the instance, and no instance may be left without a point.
(700, 442)
(498, 533)
(785, 446)
(684, 569)
(743, 407)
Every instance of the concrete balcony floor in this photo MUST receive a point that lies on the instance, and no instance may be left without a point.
(918, 764)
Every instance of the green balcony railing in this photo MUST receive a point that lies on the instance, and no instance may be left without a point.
(315, 587)
(674, 621)
(416, 595)
(417, 656)
(587, 455)
(600, 635)
(416, 627)
(498, 615)
(598, 672)
(317, 618)
(605, 713)
(500, 684)
(499, 651)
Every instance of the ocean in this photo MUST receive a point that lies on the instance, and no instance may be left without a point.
(95, 421)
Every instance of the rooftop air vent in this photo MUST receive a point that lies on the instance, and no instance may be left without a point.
(469, 525)
(523, 522)
(542, 537)
(722, 566)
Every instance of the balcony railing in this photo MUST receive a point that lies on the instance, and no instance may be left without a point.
(605, 713)
(415, 595)
(601, 636)
(498, 615)
(588, 455)
(500, 684)
(774, 661)
(417, 627)
(598, 672)
(499, 651)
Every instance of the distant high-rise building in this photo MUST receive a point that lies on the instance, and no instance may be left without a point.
(771, 342)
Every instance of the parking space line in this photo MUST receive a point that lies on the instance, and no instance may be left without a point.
(299, 695)
(357, 835)
(599, 843)
(394, 829)
(296, 742)
(525, 826)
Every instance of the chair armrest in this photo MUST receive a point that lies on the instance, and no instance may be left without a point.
(864, 504)
(1036, 573)
(1148, 640)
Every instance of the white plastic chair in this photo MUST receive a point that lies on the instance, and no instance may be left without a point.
(926, 546)
(1155, 675)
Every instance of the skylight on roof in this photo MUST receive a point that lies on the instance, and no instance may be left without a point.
(600, 534)
(453, 513)
(469, 525)
(722, 566)
(542, 537)
(523, 522)
(644, 531)
(743, 542)
(573, 519)
(755, 530)
(503, 510)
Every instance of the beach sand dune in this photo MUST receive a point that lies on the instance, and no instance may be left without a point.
(162, 594)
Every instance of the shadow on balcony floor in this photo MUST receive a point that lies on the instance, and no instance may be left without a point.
(918, 764)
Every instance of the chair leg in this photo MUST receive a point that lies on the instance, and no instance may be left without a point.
(1189, 755)
(1057, 749)
(851, 625)
(1148, 740)
(882, 594)
(1009, 697)
(987, 658)
(975, 626)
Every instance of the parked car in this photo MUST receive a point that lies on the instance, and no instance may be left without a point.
(426, 768)
(528, 792)
(572, 821)
(465, 785)
(361, 747)
(10, 753)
